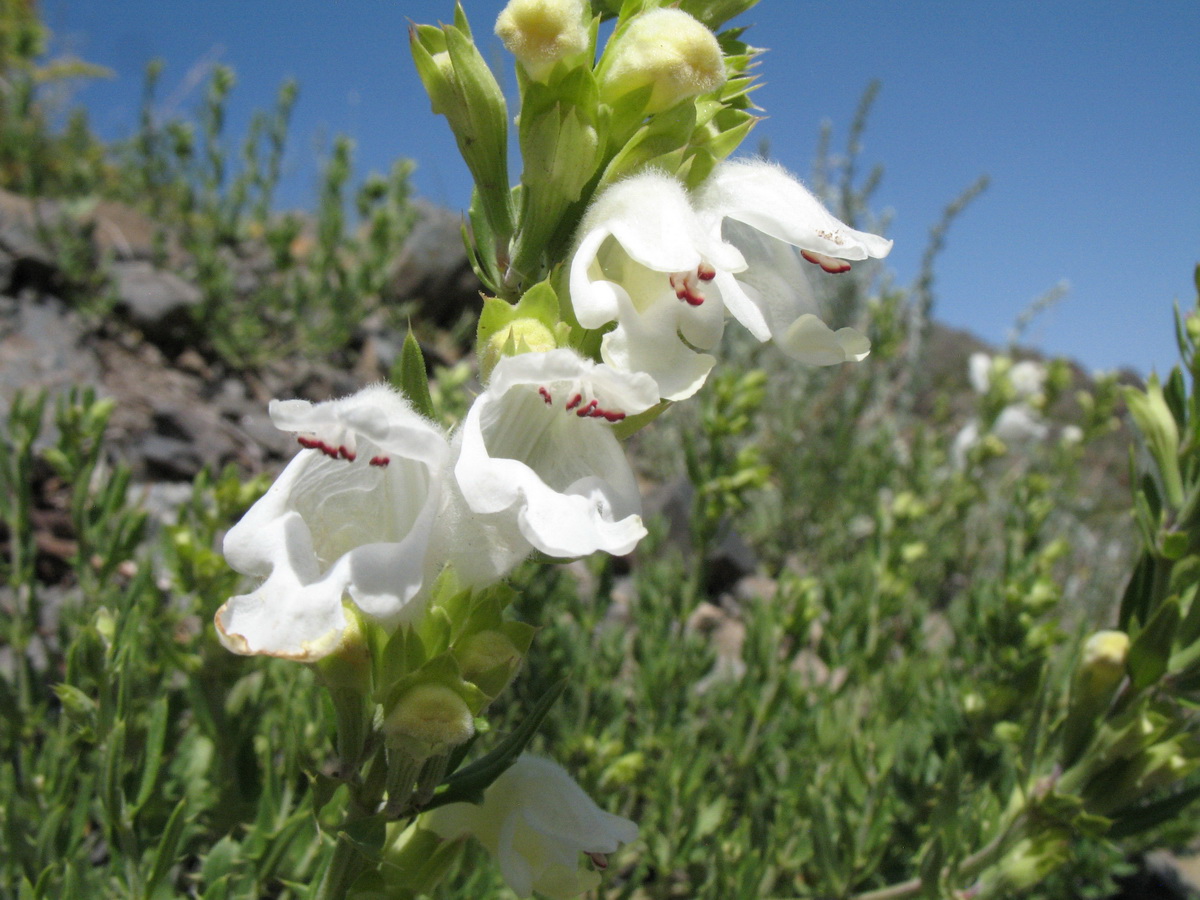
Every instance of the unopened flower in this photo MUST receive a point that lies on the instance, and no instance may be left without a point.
(776, 223)
(644, 260)
(537, 823)
(539, 33)
(429, 719)
(350, 516)
(537, 460)
(666, 50)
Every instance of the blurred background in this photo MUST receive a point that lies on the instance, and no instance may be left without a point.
(1085, 117)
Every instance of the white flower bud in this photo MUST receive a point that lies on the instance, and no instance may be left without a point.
(671, 51)
(540, 33)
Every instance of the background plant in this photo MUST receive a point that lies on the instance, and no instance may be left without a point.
(907, 721)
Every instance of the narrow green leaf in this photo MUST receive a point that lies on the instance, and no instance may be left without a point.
(412, 377)
(168, 846)
(1146, 817)
(1151, 650)
(114, 755)
(156, 736)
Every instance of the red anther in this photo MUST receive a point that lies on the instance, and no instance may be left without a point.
(686, 288)
(545, 394)
(587, 409)
(599, 860)
(345, 454)
(575, 401)
(614, 416)
(308, 443)
(830, 264)
(706, 272)
(380, 461)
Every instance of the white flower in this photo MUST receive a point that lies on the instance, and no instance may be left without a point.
(775, 222)
(536, 821)
(538, 460)
(643, 259)
(1019, 423)
(351, 515)
(1028, 378)
(979, 371)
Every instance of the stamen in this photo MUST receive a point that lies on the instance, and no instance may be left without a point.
(687, 288)
(706, 272)
(599, 860)
(830, 264)
(587, 408)
(545, 395)
(575, 401)
(309, 443)
(381, 461)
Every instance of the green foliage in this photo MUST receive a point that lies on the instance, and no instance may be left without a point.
(135, 750)
(271, 284)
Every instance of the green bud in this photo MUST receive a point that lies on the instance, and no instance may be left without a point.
(463, 89)
(1102, 666)
(1161, 432)
(417, 860)
(540, 33)
(521, 336)
(1192, 325)
(427, 720)
(489, 659)
(667, 51)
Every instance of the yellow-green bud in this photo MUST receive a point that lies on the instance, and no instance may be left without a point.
(348, 665)
(429, 719)
(666, 49)
(1104, 657)
(484, 651)
(539, 33)
(519, 336)
(1191, 325)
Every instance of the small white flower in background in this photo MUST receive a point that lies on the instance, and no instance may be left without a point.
(644, 260)
(538, 461)
(979, 370)
(1019, 424)
(776, 222)
(351, 515)
(537, 823)
(1027, 378)
(1071, 435)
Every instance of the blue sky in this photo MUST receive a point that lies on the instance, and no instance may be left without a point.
(1086, 116)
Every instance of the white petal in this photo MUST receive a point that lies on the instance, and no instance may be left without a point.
(770, 200)
(536, 821)
(811, 341)
(537, 446)
(649, 343)
(349, 517)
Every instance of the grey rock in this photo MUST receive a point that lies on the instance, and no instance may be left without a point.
(42, 347)
(157, 302)
(433, 268)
